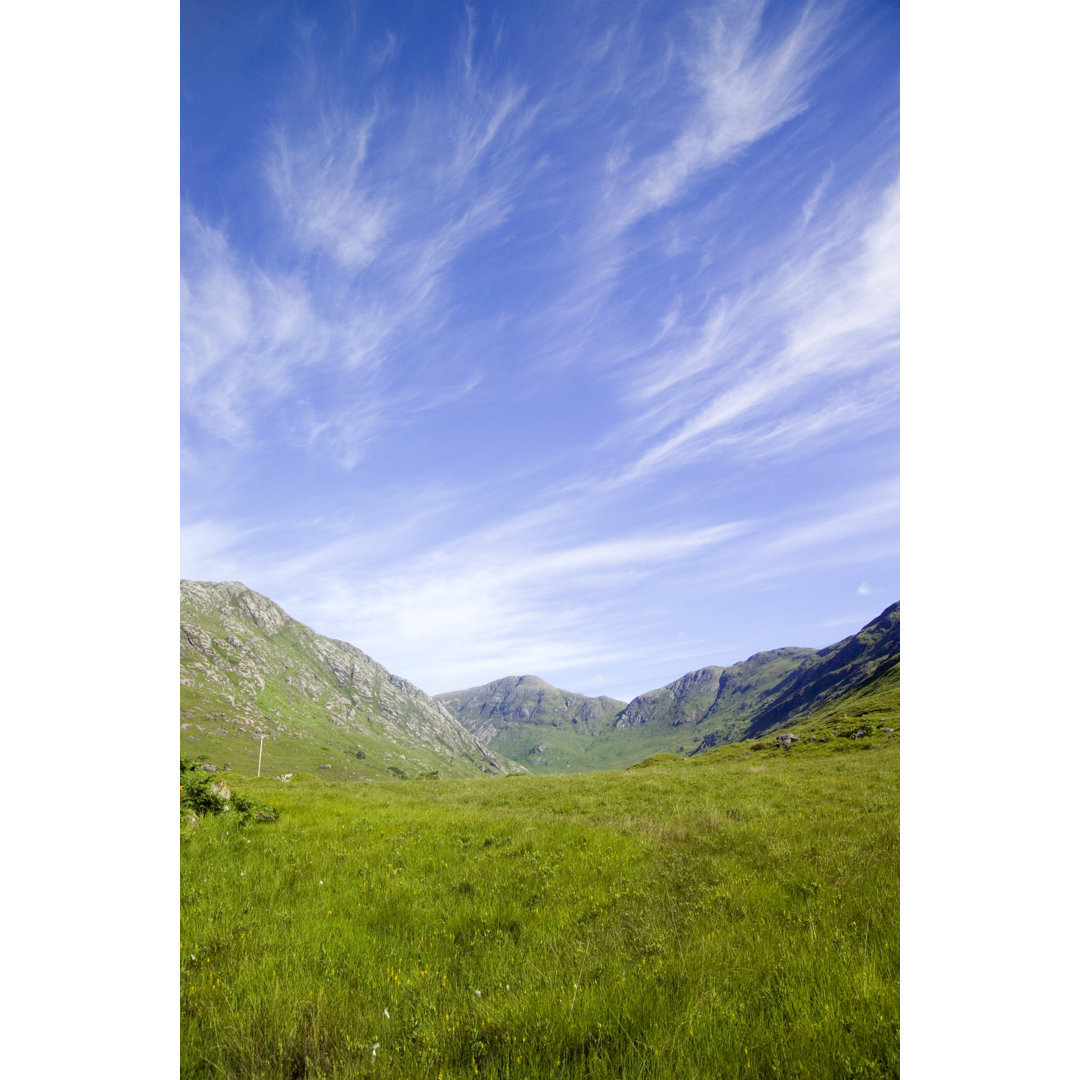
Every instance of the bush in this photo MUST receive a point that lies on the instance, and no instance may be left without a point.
(198, 797)
(251, 809)
(196, 794)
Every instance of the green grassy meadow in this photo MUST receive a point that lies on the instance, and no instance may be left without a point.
(731, 915)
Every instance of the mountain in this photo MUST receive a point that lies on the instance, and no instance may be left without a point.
(702, 709)
(531, 721)
(248, 670)
(770, 689)
(834, 671)
(867, 715)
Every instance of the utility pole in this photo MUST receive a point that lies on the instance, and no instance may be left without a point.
(261, 737)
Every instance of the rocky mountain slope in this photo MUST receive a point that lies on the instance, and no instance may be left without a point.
(248, 670)
(704, 708)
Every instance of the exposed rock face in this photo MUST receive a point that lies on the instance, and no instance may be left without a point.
(247, 666)
(525, 699)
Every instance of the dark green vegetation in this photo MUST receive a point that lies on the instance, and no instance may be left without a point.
(248, 671)
(551, 730)
(203, 793)
(735, 914)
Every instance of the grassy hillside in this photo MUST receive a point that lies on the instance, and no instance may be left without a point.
(733, 914)
(247, 670)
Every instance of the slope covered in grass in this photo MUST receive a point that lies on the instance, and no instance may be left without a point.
(734, 914)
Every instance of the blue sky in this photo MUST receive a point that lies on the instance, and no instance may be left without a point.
(559, 341)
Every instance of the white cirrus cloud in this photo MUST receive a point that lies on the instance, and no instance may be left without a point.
(746, 87)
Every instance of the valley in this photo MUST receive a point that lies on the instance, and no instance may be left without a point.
(251, 676)
(706, 883)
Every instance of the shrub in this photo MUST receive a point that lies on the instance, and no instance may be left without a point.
(251, 809)
(198, 797)
(196, 794)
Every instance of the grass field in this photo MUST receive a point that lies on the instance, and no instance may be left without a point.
(731, 915)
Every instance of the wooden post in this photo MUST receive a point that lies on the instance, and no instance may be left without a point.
(261, 737)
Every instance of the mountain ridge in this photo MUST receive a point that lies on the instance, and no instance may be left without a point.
(707, 707)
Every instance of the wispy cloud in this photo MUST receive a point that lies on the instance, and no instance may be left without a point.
(829, 312)
(507, 598)
(323, 193)
(243, 333)
(874, 510)
(213, 550)
(746, 87)
(371, 238)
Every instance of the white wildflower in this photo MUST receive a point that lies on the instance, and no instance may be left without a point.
(386, 1014)
(373, 1049)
